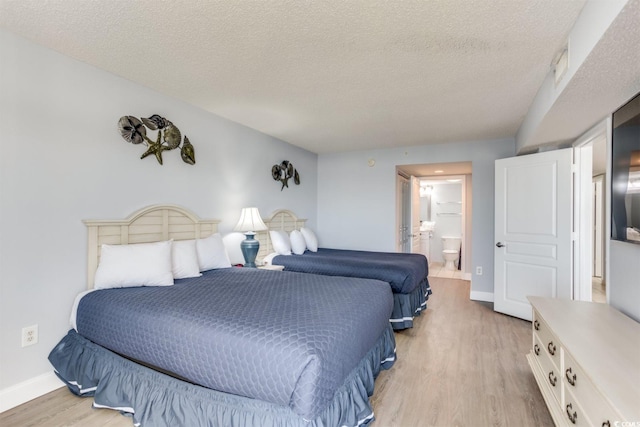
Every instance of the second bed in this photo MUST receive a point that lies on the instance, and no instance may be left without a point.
(405, 273)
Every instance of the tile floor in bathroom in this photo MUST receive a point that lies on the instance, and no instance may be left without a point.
(437, 269)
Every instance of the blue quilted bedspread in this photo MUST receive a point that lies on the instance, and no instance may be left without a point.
(285, 338)
(404, 272)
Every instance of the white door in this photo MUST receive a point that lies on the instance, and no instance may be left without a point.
(533, 230)
(415, 215)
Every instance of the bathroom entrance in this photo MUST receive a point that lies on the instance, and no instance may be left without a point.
(445, 216)
(441, 228)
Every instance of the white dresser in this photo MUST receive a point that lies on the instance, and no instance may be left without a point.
(586, 359)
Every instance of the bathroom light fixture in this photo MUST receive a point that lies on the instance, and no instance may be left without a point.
(438, 171)
(250, 222)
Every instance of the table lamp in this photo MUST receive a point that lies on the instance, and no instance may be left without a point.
(250, 222)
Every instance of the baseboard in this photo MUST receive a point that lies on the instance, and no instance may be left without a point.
(481, 296)
(25, 391)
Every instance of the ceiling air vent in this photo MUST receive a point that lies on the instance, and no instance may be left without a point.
(560, 64)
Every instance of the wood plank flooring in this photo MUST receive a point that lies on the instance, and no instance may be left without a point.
(461, 365)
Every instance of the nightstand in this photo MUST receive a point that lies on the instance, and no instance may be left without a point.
(271, 267)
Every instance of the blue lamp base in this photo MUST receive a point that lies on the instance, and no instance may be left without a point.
(249, 248)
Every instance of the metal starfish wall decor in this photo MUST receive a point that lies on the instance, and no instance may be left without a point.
(283, 172)
(134, 130)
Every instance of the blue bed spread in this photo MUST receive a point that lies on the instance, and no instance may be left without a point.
(404, 272)
(285, 338)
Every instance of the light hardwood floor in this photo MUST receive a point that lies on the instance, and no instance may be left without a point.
(461, 365)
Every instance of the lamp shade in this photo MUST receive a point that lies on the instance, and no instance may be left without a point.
(250, 220)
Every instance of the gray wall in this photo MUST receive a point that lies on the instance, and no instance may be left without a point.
(624, 277)
(62, 160)
(357, 203)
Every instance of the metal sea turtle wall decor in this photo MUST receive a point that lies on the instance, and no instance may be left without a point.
(283, 172)
(134, 130)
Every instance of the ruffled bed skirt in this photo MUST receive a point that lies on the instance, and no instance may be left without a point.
(156, 399)
(407, 306)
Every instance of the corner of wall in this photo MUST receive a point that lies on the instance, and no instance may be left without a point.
(28, 390)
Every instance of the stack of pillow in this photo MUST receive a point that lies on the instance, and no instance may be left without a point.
(297, 241)
(159, 263)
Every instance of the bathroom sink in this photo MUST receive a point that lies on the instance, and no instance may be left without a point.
(427, 226)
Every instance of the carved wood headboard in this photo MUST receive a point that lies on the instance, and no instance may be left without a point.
(282, 219)
(151, 224)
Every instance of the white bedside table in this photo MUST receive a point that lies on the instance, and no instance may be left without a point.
(271, 267)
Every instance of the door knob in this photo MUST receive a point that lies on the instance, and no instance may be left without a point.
(499, 244)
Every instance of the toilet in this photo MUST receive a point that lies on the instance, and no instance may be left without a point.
(450, 252)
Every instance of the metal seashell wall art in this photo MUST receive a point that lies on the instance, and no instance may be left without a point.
(283, 172)
(134, 130)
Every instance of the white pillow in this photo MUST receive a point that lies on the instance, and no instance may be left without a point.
(280, 241)
(298, 245)
(211, 253)
(310, 239)
(184, 258)
(232, 243)
(142, 264)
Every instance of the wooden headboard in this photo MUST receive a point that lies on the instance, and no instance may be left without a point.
(151, 224)
(282, 219)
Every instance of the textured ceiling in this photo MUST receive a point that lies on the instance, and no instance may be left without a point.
(608, 78)
(329, 75)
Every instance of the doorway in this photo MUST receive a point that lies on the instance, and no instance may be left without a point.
(442, 219)
(593, 227)
(453, 207)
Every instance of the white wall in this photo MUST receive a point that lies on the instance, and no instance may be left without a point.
(357, 203)
(62, 160)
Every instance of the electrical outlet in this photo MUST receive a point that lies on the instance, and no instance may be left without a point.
(29, 335)
(478, 271)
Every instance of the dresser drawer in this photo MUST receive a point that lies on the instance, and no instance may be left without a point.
(551, 373)
(594, 405)
(548, 341)
(573, 411)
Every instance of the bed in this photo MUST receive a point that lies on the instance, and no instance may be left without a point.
(227, 347)
(405, 273)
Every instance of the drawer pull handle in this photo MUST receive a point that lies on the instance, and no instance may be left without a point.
(572, 417)
(552, 348)
(606, 424)
(552, 379)
(536, 325)
(570, 378)
(536, 349)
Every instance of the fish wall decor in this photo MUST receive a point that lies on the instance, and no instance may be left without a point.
(283, 172)
(134, 130)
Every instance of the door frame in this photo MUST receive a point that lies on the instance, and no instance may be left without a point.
(465, 215)
(401, 180)
(583, 215)
(598, 225)
(414, 209)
